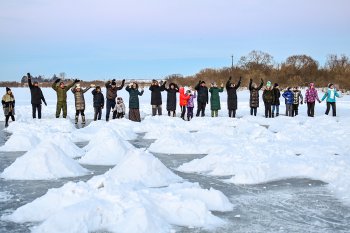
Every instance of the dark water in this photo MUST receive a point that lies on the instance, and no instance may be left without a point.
(293, 205)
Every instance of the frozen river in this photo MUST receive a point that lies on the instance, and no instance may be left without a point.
(291, 205)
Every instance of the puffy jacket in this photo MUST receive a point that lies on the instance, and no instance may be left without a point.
(215, 98)
(156, 95)
(36, 93)
(276, 96)
(311, 95)
(297, 97)
(289, 96)
(171, 97)
(112, 91)
(134, 97)
(183, 97)
(8, 104)
(331, 95)
(268, 96)
(202, 93)
(79, 98)
(190, 102)
(254, 94)
(98, 99)
(232, 95)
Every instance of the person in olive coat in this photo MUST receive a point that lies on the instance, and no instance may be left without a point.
(276, 100)
(268, 97)
(215, 98)
(156, 96)
(254, 96)
(99, 102)
(36, 96)
(61, 91)
(202, 97)
(171, 99)
(134, 105)
(231, 89)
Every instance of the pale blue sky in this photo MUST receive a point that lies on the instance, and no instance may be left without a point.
(100, 39)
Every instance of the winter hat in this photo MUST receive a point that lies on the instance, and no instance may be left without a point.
(77, 85)
(329, 85)
(188, 91)
(275, 85)
(98, 87)
(203, 82)
(268, 84)
(8, 89)
(114, 83)
(288, 88)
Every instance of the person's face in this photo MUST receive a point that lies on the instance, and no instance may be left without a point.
(62, 85)
(331, 87)
(98, 90)
(134, 85)
(172, 87)
(35, 84)
(254, 85)
(78, 89)
(9, 92)
(203, 84)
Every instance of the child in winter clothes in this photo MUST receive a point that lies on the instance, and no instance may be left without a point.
(119, 109)
(215, 99)
(268, 97)
(78, 93)
(183, 101)
(8, 105)
(254, 96)
(289, 97)
(331, 95)
(310, 98)
(276, 100)
(190, 104)
(98, 102)
(296, 97)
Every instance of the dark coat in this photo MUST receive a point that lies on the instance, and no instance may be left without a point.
(215, 98)
(276, 96)
(202, 93)
(254, 94)
(112, 91)
(156, 95)
(79, 98)
(232, 95)
(268, 96)
(36, 93)
(289, 97)
(98, 99)
(171, 97)
(134, 94)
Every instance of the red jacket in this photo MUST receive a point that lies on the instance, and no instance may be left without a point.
(183, 97)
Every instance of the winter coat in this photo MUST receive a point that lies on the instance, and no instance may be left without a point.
(8, 104)
(202, 94)
(119, 106)
(311, 95)
(276, 96)
(297, 96)
(36, 93)
(171, 97)
(98, 99)
(254, 95)
(330, 95)
(62, 92)
(215, 98)
(134, 97)
(268, 96)
(79, 98)
(156, 95)
(183, 97)
(289, 97)
(112, 91)
(232, 95)
(190, 102)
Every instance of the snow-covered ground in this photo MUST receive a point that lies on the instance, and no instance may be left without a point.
(141, 194)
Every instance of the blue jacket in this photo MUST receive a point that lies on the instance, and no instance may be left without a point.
(330, 97)
(289, 96)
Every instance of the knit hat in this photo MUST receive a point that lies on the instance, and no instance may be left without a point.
(203, 82)
(114, 83)
(268, 84)
(98, 87)
(8, 89)
(275, 85)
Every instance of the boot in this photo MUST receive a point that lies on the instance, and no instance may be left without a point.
(76, 119)
(6, 124)
(154, 111)
(83, 120)
(273, 115)
(277, 114)
(188, 118)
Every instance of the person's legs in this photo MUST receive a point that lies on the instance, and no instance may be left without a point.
(76, 116)
(251, 111)
(328, 108)
(34, 111)
(154, 110)
(269, 112)
(58, 109)
(203, 109)
(334, 109)
(277, 110)
(109, 106)
(64, 109)
(312, 109)
(255, 111)
(7, 117)
(159, 108)
(39, 111)
(234, 113)
(266, 110)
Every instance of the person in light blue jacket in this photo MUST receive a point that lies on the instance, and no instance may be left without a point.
(289, 97)
(331, 95)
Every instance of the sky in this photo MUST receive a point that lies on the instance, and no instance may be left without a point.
(104, 39)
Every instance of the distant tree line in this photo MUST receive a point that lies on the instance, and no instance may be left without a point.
(296, 70)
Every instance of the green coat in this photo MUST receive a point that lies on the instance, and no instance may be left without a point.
(215, 98)
(62, 92)
(134, 97)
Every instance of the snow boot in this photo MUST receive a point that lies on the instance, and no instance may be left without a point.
(6, 124)
(277, 114)
(83, 120)
(273, 115)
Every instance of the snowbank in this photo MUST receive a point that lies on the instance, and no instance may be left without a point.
(46, 161)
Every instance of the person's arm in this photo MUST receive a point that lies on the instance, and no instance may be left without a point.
(141, 93)
(176, 88)
(221, 89)
(29, 81)
(324, 96)
(250, 84)
(108, 83)
(42, 97)
(284, 95)
(301, 97)
(336, 93)
(197, 86)
(317, 96)
(122, 85)
(93, 92)
(54, 85)
(127, 88)
(261, 84)
(151, 88)
(73, 90)
(86, 89)
(239, 83)
(264, 95)
(162, 87)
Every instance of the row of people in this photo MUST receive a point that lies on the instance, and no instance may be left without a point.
(271, 99)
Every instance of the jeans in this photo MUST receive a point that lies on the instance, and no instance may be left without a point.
(334, 110)
(110, 105)
(311, 109)
(201, 108)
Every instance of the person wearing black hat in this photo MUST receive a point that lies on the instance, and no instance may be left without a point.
(276, 100)
(202, 97)
(156, 96)
(111, 94)
(36, 97)
(8, 105)
(61, 90)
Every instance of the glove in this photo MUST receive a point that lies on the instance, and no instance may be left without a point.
(164, 82)
(92, 85)
(76, 80)
(28, 75)
(45, 103)
(240, 78)
(57, 80)
(113, 80)
(123, 81)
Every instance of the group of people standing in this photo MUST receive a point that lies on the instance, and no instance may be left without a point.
(271, 98)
